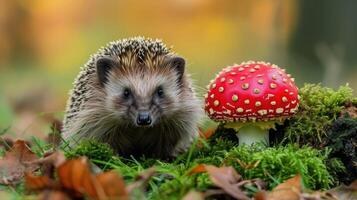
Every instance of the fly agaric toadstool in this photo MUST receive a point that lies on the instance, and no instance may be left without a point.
(251, 98)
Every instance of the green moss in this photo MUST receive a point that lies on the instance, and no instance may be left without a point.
(319, 107)
(94, 150)
(274, 165)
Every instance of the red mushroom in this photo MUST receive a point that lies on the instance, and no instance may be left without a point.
(251, 98)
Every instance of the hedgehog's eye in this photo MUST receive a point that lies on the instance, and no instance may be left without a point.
(126, 93)
(160, 92)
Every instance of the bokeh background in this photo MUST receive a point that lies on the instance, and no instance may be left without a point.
(44, 43)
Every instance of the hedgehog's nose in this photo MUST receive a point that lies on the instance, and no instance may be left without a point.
(143, 119)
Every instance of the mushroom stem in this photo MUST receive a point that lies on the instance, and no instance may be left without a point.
(252, 134)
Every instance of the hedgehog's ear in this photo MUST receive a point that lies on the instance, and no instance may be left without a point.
(104, 65)
(178, 64)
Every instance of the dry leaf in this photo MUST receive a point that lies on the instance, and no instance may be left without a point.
(207, 133)
(75, 175)
(113, 185)
(289, 190)
(39, 182)
(344, 192)
(15, 162)
(142, 179)
(225, 178)
(193, 195)
(53, 195)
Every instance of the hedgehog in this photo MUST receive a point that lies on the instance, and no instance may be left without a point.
(135, 95)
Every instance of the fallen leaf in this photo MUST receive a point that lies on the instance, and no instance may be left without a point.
(205, 134)
(53, 195)
(15, 162)
(39, 182)
(75, 175)
(193, 195)
(141, 179)
(289, 190)
(344, 192)
(113, 185)
(50, 161)
(225, 178)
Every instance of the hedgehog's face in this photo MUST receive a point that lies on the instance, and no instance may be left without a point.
(143, 96)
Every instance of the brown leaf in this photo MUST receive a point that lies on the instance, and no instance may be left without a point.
(50, 161)
(113, 185)
(289, 190)
(39, 182)
(15, 162)
(205, 134)
(53, 195)
(344, 192)
(141, 179)
(75, 175)
(225, 178)
(193, 195)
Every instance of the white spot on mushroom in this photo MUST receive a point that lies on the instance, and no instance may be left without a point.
(287, 106)
(288, 75)
(286, 90)
(279, 110)
(299, 97)
(258, 103)
(293, 110)
(230, 81)
(270, 96)
(242, 78)
(271, 111)
(284, 99)
(273, 103)
(246, 101)
(230, 105)
(284, 80)
(274, 66)
(211, 111)
(252, 70)
(256, 91)
(259, 75)
(220, 89)
(240, 69)
(293, 102)
(261, 81)
(262, 112)
(274, 77)
(273, 85)
(223, 79)
(233, 73)
(235, 97)
(292, 79)
(212, 96)
(214, 85)
(228, 112)
(256, 67)
(240, 110)
(206, 96)
(245, 86)
(216, 103)
(248, 110)
(291, 93)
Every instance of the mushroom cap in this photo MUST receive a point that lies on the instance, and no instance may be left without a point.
(251, 91)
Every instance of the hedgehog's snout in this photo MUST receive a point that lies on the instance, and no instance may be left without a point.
(143, 118)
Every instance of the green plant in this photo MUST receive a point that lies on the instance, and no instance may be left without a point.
(274, 165)
(319, 107)
(94, 150)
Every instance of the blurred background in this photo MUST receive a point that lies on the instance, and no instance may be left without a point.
(44, 43)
